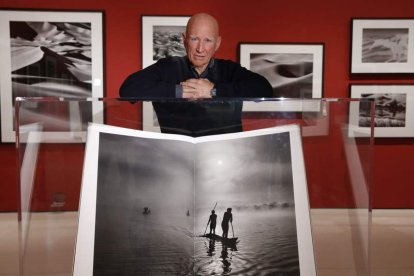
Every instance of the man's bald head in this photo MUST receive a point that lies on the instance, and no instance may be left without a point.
(203, 19)
(201, 40)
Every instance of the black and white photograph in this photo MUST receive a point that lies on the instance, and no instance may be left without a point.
(217, 205)
(161, 37)
(382, 46)
(390, 110)
(168, 42)
(393, 109)
(293, 70)
(50, 54)
(289, 74)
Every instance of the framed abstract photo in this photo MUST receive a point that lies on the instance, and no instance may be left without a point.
(161, 38)
(57, 54)
(293, 70)
(394, 109)
(382, 45)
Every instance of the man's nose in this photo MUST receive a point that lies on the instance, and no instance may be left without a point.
(200, 47)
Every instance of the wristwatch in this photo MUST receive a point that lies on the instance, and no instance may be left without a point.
(213, 92)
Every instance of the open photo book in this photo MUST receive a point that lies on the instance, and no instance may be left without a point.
(164, 204)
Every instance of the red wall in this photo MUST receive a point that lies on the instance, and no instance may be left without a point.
(326, 21)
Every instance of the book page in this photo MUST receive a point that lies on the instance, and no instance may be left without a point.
(250, 179)
(137, 205)
(147, 200)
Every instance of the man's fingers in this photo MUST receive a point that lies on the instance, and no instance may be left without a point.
(189, 92)
(199, 88)
(190, 83)
(189, 89)
(189, 95)
(192, 80)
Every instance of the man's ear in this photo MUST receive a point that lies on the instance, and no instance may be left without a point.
(184, 41)
(218, 42)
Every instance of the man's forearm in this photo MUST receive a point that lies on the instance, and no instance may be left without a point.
(141, 85)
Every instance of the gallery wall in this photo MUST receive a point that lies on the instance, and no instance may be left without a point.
(324, 21)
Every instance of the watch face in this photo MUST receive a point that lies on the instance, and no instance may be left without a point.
(213, 92)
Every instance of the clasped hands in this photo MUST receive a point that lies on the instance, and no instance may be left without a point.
(197, 88)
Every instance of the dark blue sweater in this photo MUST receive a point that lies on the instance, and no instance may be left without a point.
(196, 118)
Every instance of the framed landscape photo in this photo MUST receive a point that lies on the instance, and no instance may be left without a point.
(54, 54)
(293, 70)
(394, 109)
(161, 37)
(382, 45)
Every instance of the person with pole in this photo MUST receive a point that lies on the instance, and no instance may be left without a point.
(212, 220)
(227, 217)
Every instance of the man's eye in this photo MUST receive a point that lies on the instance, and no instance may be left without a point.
(193, 38)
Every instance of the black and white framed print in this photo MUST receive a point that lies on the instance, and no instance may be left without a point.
(293, 70)
(51, 53)
(394, 109)
(161, 38)
(382, 45)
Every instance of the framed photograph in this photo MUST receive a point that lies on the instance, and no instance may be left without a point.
(394, 109)
(382, 45)
(153, 215)
(293, 70)
(161, 37)
(51, 53)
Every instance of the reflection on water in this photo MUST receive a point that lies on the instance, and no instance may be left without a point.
(151, 244)
(267, 246)
(155, 244)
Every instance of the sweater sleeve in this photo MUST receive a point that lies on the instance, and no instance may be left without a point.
(149, 83)
(237, 81)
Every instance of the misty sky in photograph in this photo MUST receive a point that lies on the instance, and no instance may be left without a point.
(168, 174)
(148, 172)
(254, 170)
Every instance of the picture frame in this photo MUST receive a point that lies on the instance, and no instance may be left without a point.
(382, 45)
(161, 37)
(105, 225)
(394, 109)
(295, 70)
(49, 53)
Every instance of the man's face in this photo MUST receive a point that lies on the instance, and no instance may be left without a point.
(201, 42)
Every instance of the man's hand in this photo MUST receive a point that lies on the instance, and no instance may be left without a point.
(197, 88)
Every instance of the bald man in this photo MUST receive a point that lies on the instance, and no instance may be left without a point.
(197, 76)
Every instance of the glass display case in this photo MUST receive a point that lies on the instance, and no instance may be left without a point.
(335, 144)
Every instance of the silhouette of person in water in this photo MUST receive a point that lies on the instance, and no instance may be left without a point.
(225, 259)
(212, 220)
(146, 211)
(227, 217)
